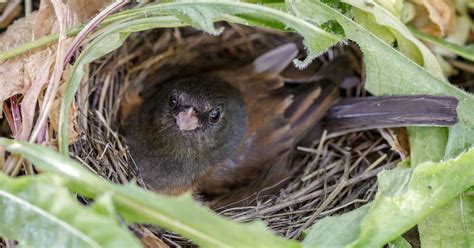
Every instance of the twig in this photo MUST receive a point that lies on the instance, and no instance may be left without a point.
(323, 206)
(28, 7)
(8, 115)
(318, 153)
(15, 108)
(377, 162)
(468, 67)
(331, 196)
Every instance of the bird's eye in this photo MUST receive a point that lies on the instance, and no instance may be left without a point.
(215, 115)
(173, 101)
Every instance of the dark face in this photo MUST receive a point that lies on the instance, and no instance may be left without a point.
(204, 116)
(193, 112)
(183, 128)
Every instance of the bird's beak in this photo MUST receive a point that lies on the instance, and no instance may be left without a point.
(187, 120)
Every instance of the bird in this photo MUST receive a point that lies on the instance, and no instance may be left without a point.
(183, 129)
(214, 132)
(229, 134)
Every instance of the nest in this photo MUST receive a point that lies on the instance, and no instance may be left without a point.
(338, 175)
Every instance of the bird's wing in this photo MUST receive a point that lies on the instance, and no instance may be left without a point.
(279, 115)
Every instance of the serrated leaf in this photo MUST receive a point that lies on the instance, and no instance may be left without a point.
(406, 196)
(391, 73)
(40, 212)
(407, 42)
(409, 195)
(181, 215)
(368, 21)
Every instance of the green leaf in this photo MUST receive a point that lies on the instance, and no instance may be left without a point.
(181, 215)
(368, 21)
(408, 44)
(200, 14)
(405, 197)
(394, 6)
(338, 5)
(437, 138)
(399, 242)
(419, 137)
(389, 72)
(450, 226)
(40, 212)
(336, 231)
(453, 224)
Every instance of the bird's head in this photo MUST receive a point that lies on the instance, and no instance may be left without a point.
(201, 115)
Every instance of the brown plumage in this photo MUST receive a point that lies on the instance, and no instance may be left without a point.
(279, 116)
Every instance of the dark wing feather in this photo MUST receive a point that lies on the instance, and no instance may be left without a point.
(279, 117)
(356, 114)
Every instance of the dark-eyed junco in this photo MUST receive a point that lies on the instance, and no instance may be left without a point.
(183, 129)
(214, 132)
(234, 130)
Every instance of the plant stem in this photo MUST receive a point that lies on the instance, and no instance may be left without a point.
(16, 115)
(40, 42)
(465, 52)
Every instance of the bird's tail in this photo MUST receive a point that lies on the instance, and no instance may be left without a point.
(357, 114)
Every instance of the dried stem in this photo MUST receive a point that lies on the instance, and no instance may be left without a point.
(16, 115)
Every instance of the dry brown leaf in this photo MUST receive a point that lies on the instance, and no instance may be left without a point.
(435, 17)
(151, 241)
(45, 20)
(11, 11)
(35, 81)
(28, 74)
(19, 32)
(12, 72)
(84, 10)
(79, 11)
(73, 135)
(11, 79)
(398, 140)
(63, 20)
(471, 35)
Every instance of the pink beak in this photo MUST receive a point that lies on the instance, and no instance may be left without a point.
(187, 120)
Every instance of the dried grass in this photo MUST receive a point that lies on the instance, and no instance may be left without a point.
(339, 172)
